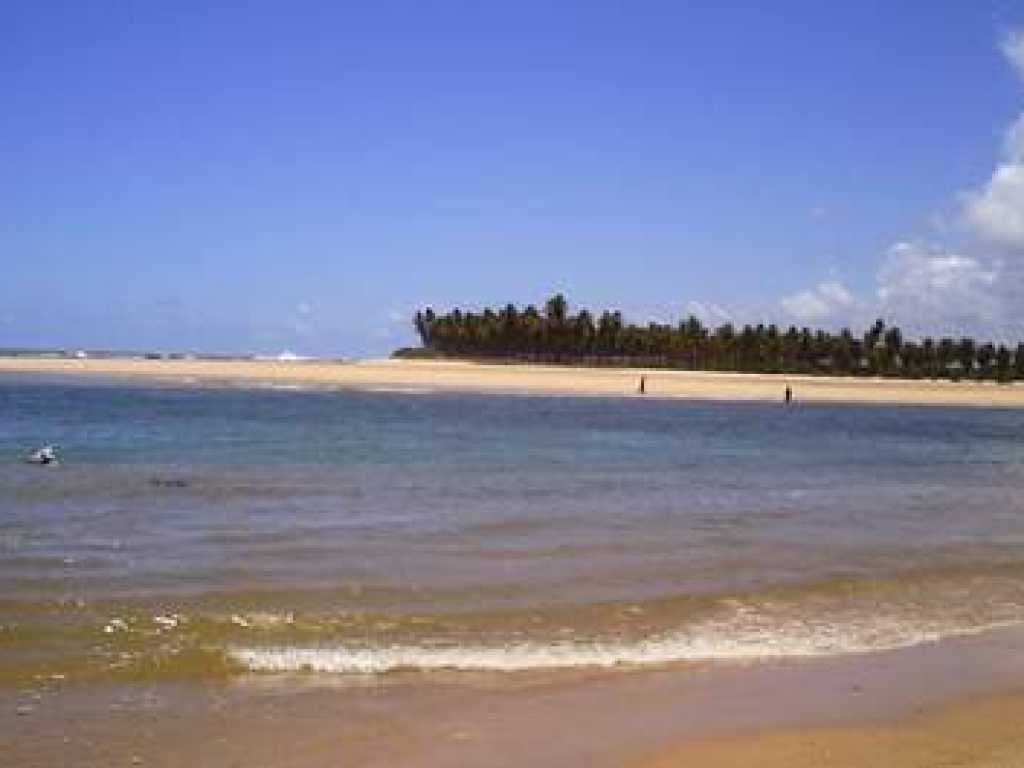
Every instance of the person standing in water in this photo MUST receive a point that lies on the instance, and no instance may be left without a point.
(789, 394)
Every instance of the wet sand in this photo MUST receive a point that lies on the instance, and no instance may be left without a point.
(560, 380)
(958, 702)
(984, 732)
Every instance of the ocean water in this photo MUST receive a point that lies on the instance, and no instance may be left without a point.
(213, 532)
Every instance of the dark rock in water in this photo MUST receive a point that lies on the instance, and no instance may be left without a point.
(160, 482)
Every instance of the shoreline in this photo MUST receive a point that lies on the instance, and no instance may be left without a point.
(959, 701)
(501, 378)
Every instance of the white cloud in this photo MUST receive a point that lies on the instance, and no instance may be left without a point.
(915, 270)
(924, 290)
(1013, 49)
(826, 301)
(1013, 144)
(975, 288)
(933, 288)
(709, 312)
(996, 212)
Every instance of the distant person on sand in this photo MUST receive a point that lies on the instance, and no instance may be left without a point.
(789, 394)
(643, 385)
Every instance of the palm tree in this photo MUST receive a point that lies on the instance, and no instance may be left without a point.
(966, 356)
(1003, 362)
(556, 308)
(556, 335)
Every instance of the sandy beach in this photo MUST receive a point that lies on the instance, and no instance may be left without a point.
(526, 379)
(801, 670)
(977, 733)
(959, 702)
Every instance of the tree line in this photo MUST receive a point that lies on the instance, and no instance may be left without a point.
(554, 335)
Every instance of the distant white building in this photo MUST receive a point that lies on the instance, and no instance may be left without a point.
(287, 356)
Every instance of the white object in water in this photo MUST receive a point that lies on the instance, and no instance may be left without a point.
(45, 456)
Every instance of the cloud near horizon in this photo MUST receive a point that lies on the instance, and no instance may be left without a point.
(825, 301)
(940, 290)
(709, 312)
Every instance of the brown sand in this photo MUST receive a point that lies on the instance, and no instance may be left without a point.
(955, 703)
(436, 730)
(986, 732)
(435, 375)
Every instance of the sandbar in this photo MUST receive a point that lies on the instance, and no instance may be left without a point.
(442, 376)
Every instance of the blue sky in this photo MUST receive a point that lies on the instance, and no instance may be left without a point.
(258, 177)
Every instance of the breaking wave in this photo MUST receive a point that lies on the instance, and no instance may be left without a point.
(718, 642)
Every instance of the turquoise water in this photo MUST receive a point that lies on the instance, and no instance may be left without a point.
(199, 530)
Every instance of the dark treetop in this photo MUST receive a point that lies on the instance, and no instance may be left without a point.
(553, 335)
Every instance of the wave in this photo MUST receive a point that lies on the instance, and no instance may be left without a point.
(359, 633)
(722, 642)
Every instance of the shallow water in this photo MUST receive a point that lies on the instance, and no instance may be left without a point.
(217, 531)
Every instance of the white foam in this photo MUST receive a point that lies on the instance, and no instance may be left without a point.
(115, 625)
(709, 643)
